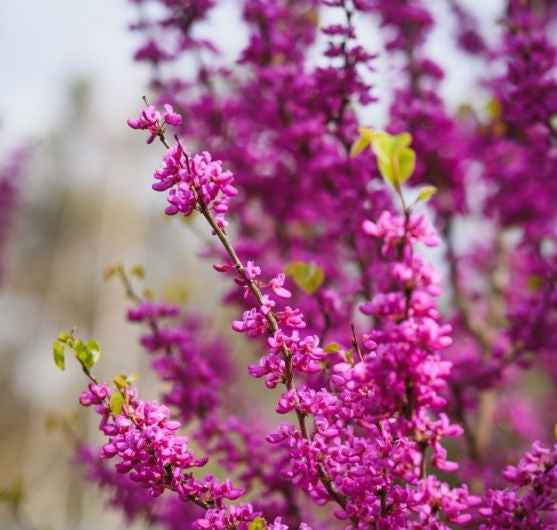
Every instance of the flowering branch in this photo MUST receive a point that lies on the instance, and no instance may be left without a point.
(270, 317)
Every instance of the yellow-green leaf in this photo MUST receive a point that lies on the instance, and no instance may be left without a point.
(94, 346)
(426, 193)
(116, 403)
(258, 524)
(331, 348)
(493, 109)
(358, 146)
(88, 354)
(366, 132)
(64, 337)
(395, 159)
(123, 381)
(307, 276)
(59, 355)
(138, 271)
(362, 141)
(406, 162)
(75, 344)
(109, 272)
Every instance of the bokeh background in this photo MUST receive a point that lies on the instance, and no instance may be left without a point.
(68, 83)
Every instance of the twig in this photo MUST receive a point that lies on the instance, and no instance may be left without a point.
(355, 343)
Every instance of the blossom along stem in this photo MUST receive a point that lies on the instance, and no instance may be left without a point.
(150, 119)
(273, 327)
(409, 406)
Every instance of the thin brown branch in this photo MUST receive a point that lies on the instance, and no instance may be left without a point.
(355, 342)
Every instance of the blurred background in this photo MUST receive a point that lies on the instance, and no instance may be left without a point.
(82, 203)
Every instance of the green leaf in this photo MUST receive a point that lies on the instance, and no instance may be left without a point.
(359, 145)
(138, 271)
(493, 109)
(331, 348)
(406, 164)
(95, 348)
(58, 351)
(362, 141)
(120, 382)
(75, 344)
(117, 401)
(123, 381)
(307, 276)
(426, 193)
(110, 272)
(258, 524)
(64, 337)
(88, 354)
(395, 159)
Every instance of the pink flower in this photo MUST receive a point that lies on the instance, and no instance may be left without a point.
(277, 286)
(171, 117)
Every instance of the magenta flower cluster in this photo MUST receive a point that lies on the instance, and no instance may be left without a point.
(190, 178)
(150, 120)
(144, 441)
(530, 501)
